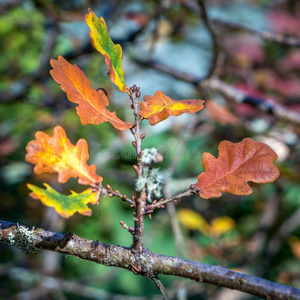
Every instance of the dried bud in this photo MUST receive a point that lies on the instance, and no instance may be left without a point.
(136, 168)
(117, 191)
(138, 94)
(150, 216)
(122, 223)
(108, 187)
(110, 195)
(134, 144)
(134, 87)
(124, 198)
(158, 158)
(143, 135)
(138, 88)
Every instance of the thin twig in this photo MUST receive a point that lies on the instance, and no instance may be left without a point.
(162, 202)
(160, 287)
(214, 37)
(117, 193)
(140, 200)
(265, 35)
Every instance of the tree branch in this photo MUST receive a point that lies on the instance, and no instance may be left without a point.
(150, 264)
(265, 105)
(191, 191)
(140, 200)
(265, 35)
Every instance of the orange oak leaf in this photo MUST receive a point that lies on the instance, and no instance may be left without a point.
(92, 103)
(159, 107)
(236, 164)
(56, 154)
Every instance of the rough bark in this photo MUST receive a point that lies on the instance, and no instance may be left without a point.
(150, 264)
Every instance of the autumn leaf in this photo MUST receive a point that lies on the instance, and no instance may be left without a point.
(235, 166)
(221, 114)
(195, 221)
(112, 53)
(221, 225)
(92, 103)
(56, 154)
(66, 206)
(159, 107)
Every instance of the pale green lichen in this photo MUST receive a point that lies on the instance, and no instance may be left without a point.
(151, 179)
(23, 238)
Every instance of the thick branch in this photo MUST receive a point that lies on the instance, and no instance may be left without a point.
(150, 264)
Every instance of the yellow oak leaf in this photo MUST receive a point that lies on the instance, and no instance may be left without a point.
(112, 53)
(159, 107)
(56, 154)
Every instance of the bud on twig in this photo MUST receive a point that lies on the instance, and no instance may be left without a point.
(138, 94)
(143, 135)
(136, 168)
(108, 187)
(134, 144)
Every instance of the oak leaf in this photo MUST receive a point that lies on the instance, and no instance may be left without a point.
(65, 206)
(236, 164)
(112, 53)
(159, 107)
(56, 154)
(92, 103)
(221, 114)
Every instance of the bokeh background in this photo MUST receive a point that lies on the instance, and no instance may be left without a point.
(213, 50)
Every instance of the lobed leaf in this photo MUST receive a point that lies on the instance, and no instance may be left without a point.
(236, 164)
(66, 206)
(159, 107)
(56, 154)
(91, 103)
(112, 53)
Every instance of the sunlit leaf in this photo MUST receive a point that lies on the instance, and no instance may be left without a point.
(235, 166)
(56, 154)
(102, 42)
(159, 107)
(193, 220)
(66, 206)
(221, 225)
(91, 103)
